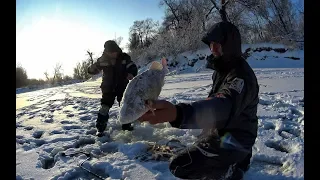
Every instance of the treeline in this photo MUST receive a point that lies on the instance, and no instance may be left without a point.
(185, 22)
(57, 77)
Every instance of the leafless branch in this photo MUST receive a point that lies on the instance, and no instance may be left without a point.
(209, 11)
(90, 55)
(215, 5)
(222, 11)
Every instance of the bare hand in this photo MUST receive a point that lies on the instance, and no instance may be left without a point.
(130, 76)
(164, 111)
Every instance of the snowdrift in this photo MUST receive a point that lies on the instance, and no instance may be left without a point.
(264, 55)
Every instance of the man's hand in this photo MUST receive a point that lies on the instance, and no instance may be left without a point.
(164, 112)
(130, 76)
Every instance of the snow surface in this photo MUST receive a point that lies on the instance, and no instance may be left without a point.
(264, 59)
(62, 119)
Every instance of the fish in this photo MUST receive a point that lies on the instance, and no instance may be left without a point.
(141, 91)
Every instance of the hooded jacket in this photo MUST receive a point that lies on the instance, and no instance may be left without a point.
(231, 106)
(115, 71)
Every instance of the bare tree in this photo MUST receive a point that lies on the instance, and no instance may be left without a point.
(133, 41)
(143, 32)
(46, 74)
(186, 21)
(57, 73)
(81, 70)
(172, 18)
(150, 28)
(21, 77)
(118, 40)
(137, 28)
(90, 56)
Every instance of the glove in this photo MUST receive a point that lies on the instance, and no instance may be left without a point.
(93, 69)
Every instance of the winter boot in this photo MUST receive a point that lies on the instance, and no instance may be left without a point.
(102, 120)
(127, 127)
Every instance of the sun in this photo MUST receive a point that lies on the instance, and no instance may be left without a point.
(48, 41)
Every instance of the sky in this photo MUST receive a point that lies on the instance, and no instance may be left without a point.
(60, 31)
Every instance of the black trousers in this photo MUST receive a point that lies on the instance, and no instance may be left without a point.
(108, 99)
(194, 164)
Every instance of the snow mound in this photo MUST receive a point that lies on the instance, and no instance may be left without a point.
(264, 55)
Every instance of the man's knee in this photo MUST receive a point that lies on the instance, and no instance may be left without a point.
(244, 165)
(108, 99)
(194, 163)
(198, 171)
(181, 170)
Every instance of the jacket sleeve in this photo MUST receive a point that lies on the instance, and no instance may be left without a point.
(95, 68)
(131, 66)
(216, 110)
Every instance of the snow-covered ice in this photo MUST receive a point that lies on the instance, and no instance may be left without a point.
(62, 119)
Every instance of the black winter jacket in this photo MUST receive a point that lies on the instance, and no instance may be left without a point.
(115, 72)
(231, 106)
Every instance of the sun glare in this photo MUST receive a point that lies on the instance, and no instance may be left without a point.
(46, 42)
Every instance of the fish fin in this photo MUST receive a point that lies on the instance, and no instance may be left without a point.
(149, 105)
(156, 66)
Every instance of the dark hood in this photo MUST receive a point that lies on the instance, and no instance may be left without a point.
(229, 37)
(111, 46)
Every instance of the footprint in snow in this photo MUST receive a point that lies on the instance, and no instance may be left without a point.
(286, 135)
(20, 141)
(47, 162)
(38, 142)
(28, 128)
(19, 136)
(66, 111)
(268, 126)
(91, 132)
(278, 146)
(83, 112)
(85, 117)
(56, 132)
(289, 133)
(37, 134)
(66, 122)
(48, 120)
(70, 115)
(84, 141)
(81, 108)
(18, 177)
(70, 127)
(110, 147)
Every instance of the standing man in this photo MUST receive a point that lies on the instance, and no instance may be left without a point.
(118, 69)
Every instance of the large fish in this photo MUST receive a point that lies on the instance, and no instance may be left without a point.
(141, 90)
